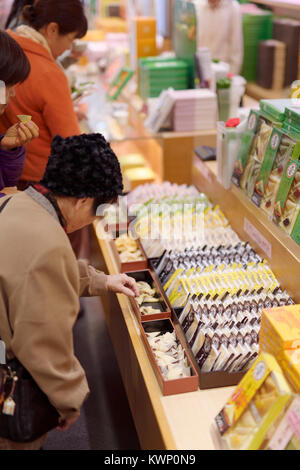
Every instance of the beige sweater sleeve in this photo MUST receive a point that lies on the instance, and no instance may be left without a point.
(45, 306)
(92, 281)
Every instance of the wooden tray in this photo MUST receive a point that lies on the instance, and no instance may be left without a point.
(168, 387)
(149, 277)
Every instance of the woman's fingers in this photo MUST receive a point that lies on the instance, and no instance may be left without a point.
(22, 136)
(28, 132)
(33, 129)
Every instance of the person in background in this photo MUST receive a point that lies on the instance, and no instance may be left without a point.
(40, 278)
(5, 7)
(50, 29)
(219, 27)
(14, 69)
(15, 18)
(14, 14)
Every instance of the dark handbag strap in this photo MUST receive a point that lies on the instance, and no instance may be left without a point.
(4, 204)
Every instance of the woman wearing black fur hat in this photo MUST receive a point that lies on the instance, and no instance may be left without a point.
(39, 276)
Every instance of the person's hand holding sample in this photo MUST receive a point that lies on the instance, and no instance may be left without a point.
(19, 134)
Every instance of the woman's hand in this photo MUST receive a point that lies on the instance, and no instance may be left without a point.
(10, 190)
(19, 134)
(122, 284)
(66, 423)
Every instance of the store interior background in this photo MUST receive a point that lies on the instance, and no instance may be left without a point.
(106, 421)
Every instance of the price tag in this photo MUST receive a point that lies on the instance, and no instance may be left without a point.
(261, 241)
(294, 420)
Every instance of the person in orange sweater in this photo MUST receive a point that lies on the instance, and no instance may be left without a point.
(50, 29)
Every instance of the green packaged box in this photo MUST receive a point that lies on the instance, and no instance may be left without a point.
(288, 196)
(292, 130)
(157, 74)
(296, 230)
(269, 191)
(247, 139)
(256, 156)
(292, 112)
(274, 110)
(266, 167)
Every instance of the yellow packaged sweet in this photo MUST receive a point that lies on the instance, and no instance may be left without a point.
(283, 325)
(258, 400)
(131, 160)
(136, 176)
(146, 47)
(144, 27)
(291, 360)
(286, 435)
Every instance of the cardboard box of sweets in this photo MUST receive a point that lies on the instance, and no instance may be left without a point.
(296, 230)
(287, 433)
(286, 207)
(288, 359)
(282, 326)
(151, 304)
(291, 363)
(279, 150)
(171, 363)
(251, 152)
(274, 166)
(143, 27)
(257, 402)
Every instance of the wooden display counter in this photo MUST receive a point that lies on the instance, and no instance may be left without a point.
(184, 421)
(162, 422)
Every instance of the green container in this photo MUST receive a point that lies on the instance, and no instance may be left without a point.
(292, 131)
(157, 74)
(275, 108)
(292, 115)
(255, 28)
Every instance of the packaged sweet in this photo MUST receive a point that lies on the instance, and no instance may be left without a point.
(288, 197)
(266, 167)
(257, 402)
(282, 325)
(284, 153)
(255, 158)
(290, 359)
(286, 435)
(296, 230)
(246, 143)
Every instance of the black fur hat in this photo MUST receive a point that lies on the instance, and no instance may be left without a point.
(83, 166)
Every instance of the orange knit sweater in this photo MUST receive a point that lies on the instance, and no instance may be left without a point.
(46, 96)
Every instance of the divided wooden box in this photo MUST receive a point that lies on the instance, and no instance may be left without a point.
(164, 309)
(173, 386)
(128, 265)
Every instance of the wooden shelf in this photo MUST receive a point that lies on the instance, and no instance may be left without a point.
(181, 422)
(257, 92)
(251, 224)
(289, 4)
